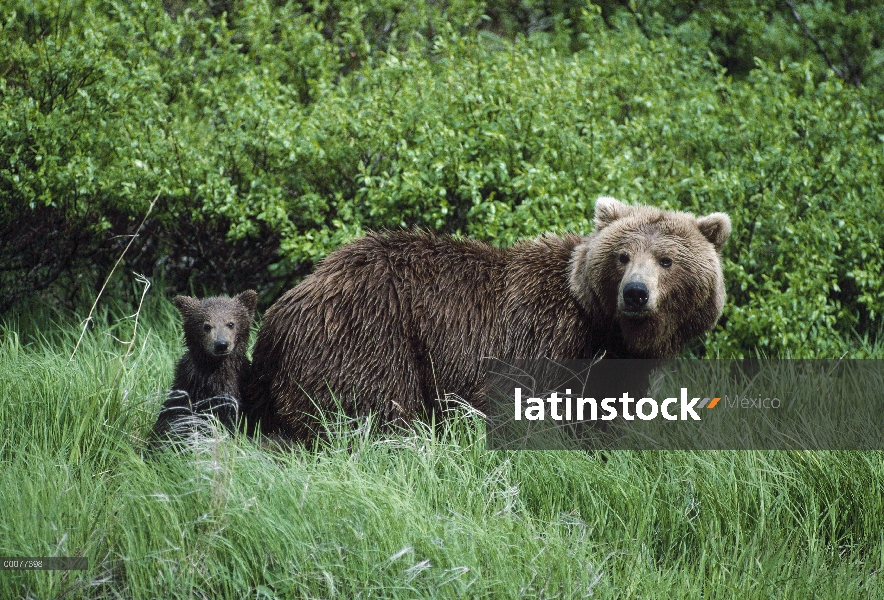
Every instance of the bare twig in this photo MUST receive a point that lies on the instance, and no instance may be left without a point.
(639, 19)
(819, 46)
(131, 343)
(101, 291)
(143, 280)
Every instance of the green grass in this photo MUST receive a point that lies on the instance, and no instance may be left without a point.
(427, 514)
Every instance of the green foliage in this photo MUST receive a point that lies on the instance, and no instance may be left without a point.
(841, 37)
(275, 132)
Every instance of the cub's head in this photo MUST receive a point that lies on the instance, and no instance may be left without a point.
(219, 326)
(656, 274)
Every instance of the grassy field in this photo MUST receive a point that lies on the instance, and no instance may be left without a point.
(429, 514)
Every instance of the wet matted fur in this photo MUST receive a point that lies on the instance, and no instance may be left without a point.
(393, 322)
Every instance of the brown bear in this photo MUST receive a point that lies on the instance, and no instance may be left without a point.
(209, 376)
(393, 322)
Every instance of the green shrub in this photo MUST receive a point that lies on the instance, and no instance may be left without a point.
(841, 37)
(271, 134)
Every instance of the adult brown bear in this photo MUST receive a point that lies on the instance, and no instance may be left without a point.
(393, 322)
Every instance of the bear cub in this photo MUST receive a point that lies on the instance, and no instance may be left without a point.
(209, 376)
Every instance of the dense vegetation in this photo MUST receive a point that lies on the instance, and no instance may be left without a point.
(227, 144)
(270, 133)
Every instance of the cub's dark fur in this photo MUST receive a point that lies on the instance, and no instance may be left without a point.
(209, 376)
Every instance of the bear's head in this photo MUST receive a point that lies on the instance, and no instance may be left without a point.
(656, 274)
(217, 327)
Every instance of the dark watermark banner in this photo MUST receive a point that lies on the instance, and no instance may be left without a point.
(755, 404)
(44, 563)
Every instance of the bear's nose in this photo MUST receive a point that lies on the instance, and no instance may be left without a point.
(635, 295)
(221, 346)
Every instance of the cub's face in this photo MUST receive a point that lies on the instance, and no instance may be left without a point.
(656, 274)
(215, 327)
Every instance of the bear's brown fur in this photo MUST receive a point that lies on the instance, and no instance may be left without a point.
(209, 376)
(392, 322)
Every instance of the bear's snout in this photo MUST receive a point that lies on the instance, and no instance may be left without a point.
(221, 347)
(635, 295)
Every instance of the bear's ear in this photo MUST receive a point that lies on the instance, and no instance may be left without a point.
(249, 299)
(608, 210)
(716, 228)
(185, 304)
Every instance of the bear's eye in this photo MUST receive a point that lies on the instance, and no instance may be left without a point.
(207, 327)
(230, 325)
(665, 262)
(624, 258)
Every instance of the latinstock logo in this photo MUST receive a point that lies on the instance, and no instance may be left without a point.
(568, 408)
(642, 404)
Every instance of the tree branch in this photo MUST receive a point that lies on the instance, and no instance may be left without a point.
(809, 35)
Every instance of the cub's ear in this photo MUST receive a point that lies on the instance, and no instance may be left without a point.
(608, 210)
(185, 304)
(716, 228)
(249, 299)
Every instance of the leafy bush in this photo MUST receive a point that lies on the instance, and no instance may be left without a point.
(273, 134)
(841, 37)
